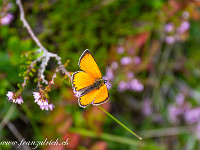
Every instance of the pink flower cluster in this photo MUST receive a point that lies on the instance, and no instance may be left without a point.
(179, 109)
(130, 82)
(174, 34)
(134, 85)
(43, 103)
(6, 20)
(183, 111)
(11, 98)
(5, 17)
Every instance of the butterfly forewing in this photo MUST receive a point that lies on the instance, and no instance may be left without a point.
(81, 80)
(88, 64)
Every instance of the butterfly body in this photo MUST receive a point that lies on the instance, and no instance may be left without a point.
(97, 84)
(88, 84)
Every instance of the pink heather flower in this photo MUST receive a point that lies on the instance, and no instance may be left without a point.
(170, 40)
(39, 102)
(130, 75)
(7, 19)
(43, 103)
(169, 27)
(137, 60)
(122, 86)
(135, 85)
(44, 107)
(146, 107)
(183, 27)
(10, 95)
(9, 5)
(192, 115)
(174, 113)
(36, 96)
(126, 60)
(51, 106)
(109, 74)
(114, 65)
(180, 99)
(120, 50)
(19, 100)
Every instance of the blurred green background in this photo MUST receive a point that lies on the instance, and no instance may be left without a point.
(149, 52)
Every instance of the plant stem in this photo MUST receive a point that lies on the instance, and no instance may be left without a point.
(8, 116)
(111, 116)
(106, 136)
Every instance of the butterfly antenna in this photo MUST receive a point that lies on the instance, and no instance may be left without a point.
(107, 66)
(109, 84)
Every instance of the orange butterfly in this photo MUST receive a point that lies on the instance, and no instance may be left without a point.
(88, 84)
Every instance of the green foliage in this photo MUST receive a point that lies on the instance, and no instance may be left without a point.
(76, 25)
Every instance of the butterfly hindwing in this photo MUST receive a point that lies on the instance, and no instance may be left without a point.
(88, 64)
(97, 96)
(102, 95)
(81, 80)
(86, 99)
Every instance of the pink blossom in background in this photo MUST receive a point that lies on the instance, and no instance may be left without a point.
(6, 20)
(137, 60)
(130, 75)
(146, 107)
(126, 60)
(135, 85)
(109, 74)
(180, 99)
(9, 6)
(170, 40)
(120, 50)
(169, 27)
(122, 86)
(192, 115)
(114, 65)
(183, 27)
(174, 113)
